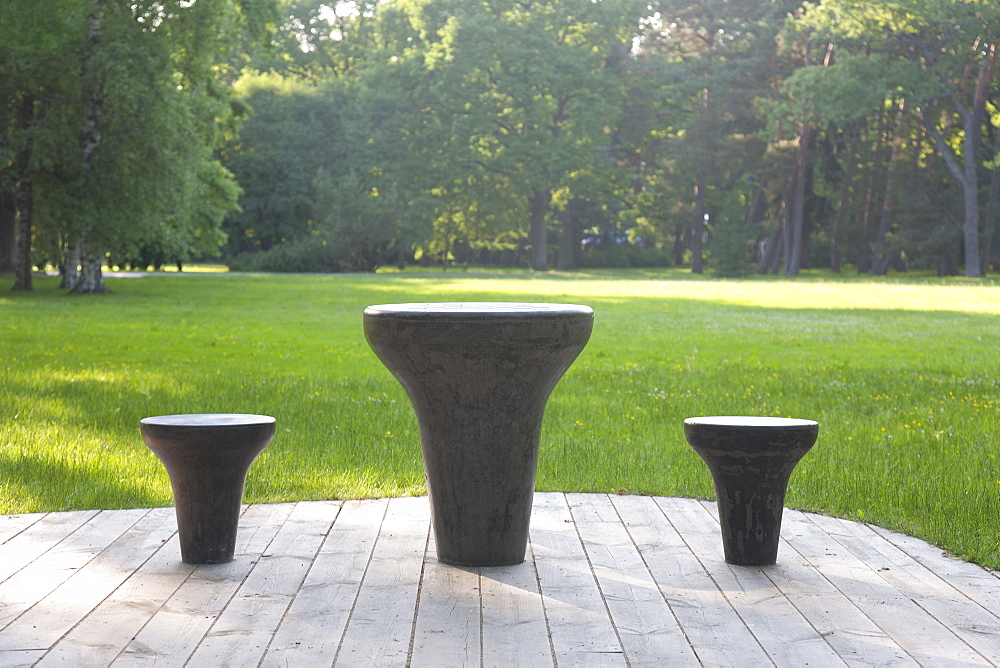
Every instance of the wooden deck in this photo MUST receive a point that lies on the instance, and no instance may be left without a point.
(609, 581)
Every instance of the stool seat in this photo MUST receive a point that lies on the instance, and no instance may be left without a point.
(750, 459)
(207, 457)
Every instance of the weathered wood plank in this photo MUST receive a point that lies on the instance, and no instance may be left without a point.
(852, 634)
(916, 632)
(97, 639)
(12, 525)
(609, 580)
(787, 636)
(381, 622)
(580, 624)
(314, 624)
(242, 632)
(978, 583)
(20, 550)
(515, 632)
(45, 574)
(978, 627)
(448, 623)
(715, 630)
(649, 632)
(174, 632)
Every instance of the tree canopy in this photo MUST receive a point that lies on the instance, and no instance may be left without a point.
(314, 135)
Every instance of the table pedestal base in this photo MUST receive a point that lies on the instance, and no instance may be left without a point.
(479, 376)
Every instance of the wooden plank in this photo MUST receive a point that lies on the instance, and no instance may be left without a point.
(919, 634)
(20, 658)
(74, 599)
(12, 525)
(852, 634)
(174, 632)
(579, 622)
(381, 622)
(787, 637)
(241, 634)
(515, 632)
(716, 632)
(43, 575)
(109, 628)
(447, 631)
(20, 550)
(979, 584)
(649, 632)
(977, 626)
(311, 630)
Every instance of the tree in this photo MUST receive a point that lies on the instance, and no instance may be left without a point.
(711, 61)
(99, 176)
(940, 56)
(522, 92)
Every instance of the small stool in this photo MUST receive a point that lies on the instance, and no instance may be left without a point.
(478, 375)
(750, 459)
(207, 457)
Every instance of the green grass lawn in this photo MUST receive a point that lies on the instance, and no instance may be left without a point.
(901, 374)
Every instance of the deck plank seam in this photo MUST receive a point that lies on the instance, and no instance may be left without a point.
(809, 517)
(786, 546)
(931, 572)
(154, 613)
(302, 581)
(708, 574)
(416, 603)
(545, 610)
(77, 570)
(597, 579)
(652, 576)
(239, 588)
(361, 581)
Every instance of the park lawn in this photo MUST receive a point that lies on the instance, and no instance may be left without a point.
(901, 374)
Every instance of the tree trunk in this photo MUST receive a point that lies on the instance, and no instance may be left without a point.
(845, 189)
(881, 261)
(797, 218)
(965, 174)
(775, 243)
(23, 265)
(91, 279)
(540, 200)
(992, 214)
(698, 226)
(568, 241)
(8, 232)
(71, 264)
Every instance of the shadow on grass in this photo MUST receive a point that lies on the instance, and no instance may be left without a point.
(45, 485)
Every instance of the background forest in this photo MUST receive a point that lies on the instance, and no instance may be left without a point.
(311, 135)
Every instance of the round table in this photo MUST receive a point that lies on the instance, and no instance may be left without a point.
(751, 460)
(479, 375)
(207, 457)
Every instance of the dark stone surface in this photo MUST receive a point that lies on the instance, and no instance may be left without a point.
(750, 459)
(207, 457)
(479, 376)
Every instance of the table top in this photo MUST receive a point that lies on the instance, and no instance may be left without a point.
(477, 309)
(208, 420)
(747, 421)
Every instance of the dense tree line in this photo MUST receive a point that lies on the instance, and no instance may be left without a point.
(735, 136)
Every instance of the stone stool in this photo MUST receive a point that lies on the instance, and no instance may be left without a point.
(479, 376)
(750, 459)
(207, 457)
